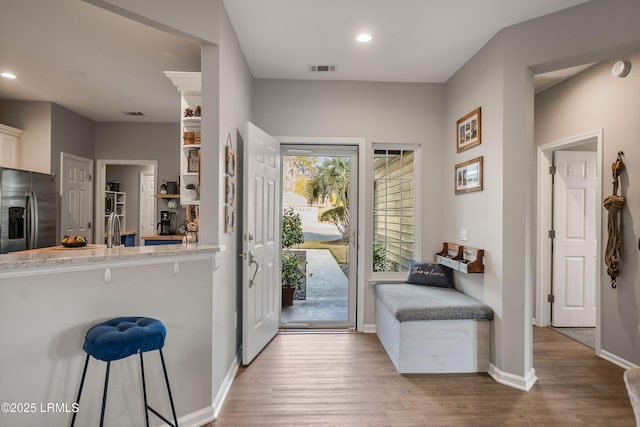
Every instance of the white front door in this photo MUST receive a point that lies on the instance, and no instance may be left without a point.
(76, 196)
(147, 204)
(575, 244)
(261, 241)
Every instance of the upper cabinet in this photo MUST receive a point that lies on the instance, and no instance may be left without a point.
(9, 138)
(189, 84)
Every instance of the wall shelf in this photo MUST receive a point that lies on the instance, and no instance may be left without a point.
(189, 85)
(168, 196)
(461, 258)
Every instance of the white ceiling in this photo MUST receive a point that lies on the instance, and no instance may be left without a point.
(100, 64)
(413, 40)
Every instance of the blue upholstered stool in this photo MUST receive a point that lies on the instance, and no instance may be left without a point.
(119, 338)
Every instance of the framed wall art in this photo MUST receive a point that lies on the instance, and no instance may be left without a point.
(469, 130)
(230, 190)
(468, 176)
(230, 160)
(229, 219)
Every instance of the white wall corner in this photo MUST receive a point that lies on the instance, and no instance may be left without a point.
(226, 385)
(616, 360)
(369, 328)
(523, 383)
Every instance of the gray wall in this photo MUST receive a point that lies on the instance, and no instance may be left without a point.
(498, 79)
(380, 112)
(143, 141)
(591, 100)
(235, 87)
(70, 133)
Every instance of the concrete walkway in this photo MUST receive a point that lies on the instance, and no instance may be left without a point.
(327, 292)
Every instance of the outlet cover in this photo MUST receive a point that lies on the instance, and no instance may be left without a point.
(464, 234)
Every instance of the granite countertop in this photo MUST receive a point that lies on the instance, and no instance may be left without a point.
(92, 254)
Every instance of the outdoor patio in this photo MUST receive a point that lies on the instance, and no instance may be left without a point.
(327, 293)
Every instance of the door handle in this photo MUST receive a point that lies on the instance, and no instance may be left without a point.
(252, 260)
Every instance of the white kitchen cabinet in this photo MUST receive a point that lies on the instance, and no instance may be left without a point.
(189, 84)
(9, 138)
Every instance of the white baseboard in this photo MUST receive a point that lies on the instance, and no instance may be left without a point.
(518, 382)
(226, 385)
(616, 360)
(369, 328)
(196, 419)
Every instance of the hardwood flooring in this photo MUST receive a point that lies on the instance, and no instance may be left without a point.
(347, 379)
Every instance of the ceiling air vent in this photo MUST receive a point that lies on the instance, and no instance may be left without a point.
(322, 68)
(133, 113)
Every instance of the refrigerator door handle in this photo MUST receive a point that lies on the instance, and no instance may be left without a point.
(31, 220)
(34, 220)
(27, 213)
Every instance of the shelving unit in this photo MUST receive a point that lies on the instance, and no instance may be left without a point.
(120, 207)
(461, 258)
(189, 86)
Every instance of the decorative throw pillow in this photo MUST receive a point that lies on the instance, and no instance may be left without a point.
(424, 273)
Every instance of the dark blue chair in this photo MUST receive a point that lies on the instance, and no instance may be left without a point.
(119, 338)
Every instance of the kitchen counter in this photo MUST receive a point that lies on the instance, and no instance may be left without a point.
(14, 263)
(50, 297)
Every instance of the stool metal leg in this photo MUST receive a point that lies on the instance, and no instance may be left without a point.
(104, 395)
(84, 374)
(166, 377)
(144, 391)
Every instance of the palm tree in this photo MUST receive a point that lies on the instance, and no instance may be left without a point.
(329, 183)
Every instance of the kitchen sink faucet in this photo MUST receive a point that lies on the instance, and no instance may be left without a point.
(113, 230)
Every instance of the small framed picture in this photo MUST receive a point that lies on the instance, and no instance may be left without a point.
(229, 219)
(469, 130)
(230, 160)
(468, 176)
(230, 190)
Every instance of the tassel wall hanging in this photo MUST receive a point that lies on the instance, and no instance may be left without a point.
(614, 204)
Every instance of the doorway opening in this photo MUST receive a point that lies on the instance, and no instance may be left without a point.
(569, 237)
(126, 187)
(319, 236)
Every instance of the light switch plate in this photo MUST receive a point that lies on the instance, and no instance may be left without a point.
(464, 234)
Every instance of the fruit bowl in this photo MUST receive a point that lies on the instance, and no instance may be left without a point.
(74, 242)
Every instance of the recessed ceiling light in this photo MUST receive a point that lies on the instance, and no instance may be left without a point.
(364, 38)
(8, 75)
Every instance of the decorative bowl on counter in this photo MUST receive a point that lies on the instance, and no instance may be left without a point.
(74, 242)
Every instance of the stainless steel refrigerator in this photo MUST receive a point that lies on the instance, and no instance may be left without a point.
(28, 206)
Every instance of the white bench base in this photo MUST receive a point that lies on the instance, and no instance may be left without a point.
(434, 346)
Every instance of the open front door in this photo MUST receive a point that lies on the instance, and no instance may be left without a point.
(261, 241)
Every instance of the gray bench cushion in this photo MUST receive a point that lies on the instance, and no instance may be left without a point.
(417, 302)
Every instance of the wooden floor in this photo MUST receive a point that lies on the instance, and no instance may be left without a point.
(347, 379)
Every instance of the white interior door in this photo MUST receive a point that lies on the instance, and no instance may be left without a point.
(77, 196)
(147, 204)
(261, 241)
(575, 244)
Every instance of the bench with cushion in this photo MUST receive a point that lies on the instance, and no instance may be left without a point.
(432, 328)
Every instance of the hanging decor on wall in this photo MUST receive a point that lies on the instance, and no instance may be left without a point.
(230, 187)
(468, 176)
(469, 130)
(614, 204)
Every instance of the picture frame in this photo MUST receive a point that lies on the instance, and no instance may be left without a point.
(230, 160)
(230, 190)
(469, 130)
(229, 219)
(468, 176)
